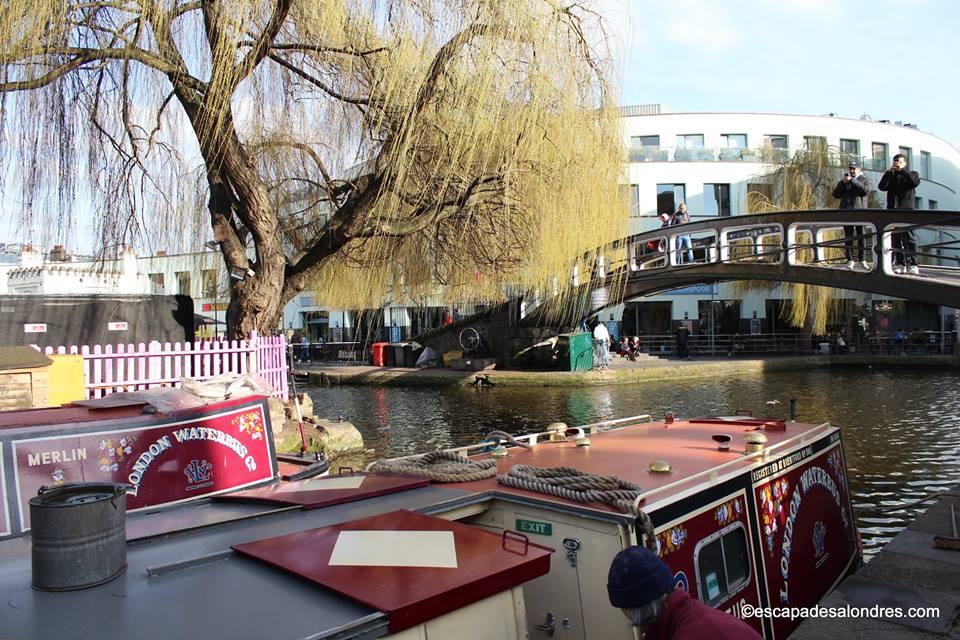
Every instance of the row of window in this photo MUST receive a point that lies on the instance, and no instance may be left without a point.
(690, 146)
(716, 198)
(158, 286)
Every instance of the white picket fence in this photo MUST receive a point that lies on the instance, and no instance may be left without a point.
(131, 367)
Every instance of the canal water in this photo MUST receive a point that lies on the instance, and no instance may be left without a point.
(901, 428)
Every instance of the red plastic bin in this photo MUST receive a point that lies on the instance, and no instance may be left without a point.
(377, 353)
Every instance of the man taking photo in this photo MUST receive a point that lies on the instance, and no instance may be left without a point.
(852, 191)
(900, 185)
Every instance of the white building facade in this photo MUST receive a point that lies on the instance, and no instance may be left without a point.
(711, 161)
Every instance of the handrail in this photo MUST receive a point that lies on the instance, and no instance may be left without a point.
(530, 438)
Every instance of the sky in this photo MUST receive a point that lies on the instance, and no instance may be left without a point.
(889, 60)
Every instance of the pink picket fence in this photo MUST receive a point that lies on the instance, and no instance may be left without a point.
(131, 367)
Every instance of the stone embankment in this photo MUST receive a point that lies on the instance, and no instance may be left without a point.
(621, 371)
(333, 437)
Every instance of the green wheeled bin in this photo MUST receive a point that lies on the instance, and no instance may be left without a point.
(575, 351)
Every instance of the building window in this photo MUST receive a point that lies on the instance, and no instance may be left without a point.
(723, 564)
(716, 199)
(933, 204)
(156, 283)
(734, 140)
(925, 165)
(776, 148)
(759, 195)
(814, 143)
(183, 283)
(879, 160)
(210, 283)
(690, 147)
(907, 152)
(634, 201)
(645, 149)
(919, 203)
(669, 197)
(690, 141)
(645, 141)
(850, 149)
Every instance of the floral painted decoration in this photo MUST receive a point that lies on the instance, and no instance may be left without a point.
(112, 452)
(728, 512)
(772, 498)
(671, 539)
(251, 423)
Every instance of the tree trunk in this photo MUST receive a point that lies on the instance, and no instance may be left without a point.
(255, 305)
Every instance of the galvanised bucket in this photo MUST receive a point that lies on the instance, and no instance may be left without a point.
(79, 535)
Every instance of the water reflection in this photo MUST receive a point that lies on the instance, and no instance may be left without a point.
(900, 428)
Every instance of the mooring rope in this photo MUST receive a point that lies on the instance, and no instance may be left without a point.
(496, 436)
(578, 486)
(439, 466)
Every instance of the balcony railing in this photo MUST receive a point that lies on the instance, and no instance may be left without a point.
(738, 154)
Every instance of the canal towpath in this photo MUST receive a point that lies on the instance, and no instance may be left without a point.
(620, 371)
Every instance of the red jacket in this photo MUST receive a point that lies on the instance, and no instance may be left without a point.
(687, 619)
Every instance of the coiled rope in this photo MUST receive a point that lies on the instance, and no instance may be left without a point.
(578, 486)
(439, 466)
(496, 436)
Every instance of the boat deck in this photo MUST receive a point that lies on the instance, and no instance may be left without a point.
(627, 453)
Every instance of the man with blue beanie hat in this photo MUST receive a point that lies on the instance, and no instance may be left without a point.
(641, 585)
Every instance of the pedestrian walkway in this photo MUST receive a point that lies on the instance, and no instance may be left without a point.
(620, 371)
(909, 574)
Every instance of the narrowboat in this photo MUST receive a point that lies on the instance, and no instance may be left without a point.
(743, 510)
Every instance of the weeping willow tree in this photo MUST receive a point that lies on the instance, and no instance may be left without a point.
(803, 182)
(358, 147)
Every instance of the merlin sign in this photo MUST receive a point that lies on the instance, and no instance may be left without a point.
(163, 458)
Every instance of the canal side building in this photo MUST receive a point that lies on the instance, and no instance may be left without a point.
(713, 161)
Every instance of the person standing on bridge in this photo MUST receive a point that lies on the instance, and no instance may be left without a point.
(852, 191)
(900, 184)
(684, 245)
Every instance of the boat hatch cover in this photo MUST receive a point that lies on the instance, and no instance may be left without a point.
(329, 490)
(411, 566)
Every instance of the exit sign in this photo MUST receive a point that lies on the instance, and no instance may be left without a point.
(532, 526)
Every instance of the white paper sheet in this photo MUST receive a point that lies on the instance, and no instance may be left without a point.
(395, 549)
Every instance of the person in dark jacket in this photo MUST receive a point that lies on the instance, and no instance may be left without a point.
(852, 191)
(642, 586)
(684, 244)
(900, 184)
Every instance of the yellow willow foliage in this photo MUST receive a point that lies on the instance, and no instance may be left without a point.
(486, 128)
(521, 106)
(803, 182)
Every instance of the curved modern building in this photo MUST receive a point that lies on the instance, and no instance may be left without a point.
(711, 161)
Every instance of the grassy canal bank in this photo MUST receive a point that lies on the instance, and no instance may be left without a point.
(621, 371)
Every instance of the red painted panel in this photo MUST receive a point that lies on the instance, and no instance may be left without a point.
(409, 595)
(806, 528)
(678, 543)
(166, 463)
(311, 498)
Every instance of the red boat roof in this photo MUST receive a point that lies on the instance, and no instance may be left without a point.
(627, 453)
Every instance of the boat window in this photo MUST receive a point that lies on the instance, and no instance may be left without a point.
(723, 564)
